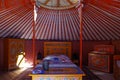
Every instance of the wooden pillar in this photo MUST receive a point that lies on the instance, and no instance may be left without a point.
(33, 37)
(81, 27)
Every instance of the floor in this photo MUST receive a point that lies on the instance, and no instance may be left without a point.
(13, 74)
(18, 74)
(103, 75)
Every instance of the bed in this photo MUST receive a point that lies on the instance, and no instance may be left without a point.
(57, 67)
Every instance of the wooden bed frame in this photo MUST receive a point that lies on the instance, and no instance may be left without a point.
(51, 48)
(57, 76)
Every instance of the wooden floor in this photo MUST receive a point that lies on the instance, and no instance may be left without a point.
(22, 74)
(103, 75)
(18, 74)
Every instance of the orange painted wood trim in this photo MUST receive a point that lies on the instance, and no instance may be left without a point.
(57, 75)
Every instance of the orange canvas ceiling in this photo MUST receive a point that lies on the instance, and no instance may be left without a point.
(101, 21)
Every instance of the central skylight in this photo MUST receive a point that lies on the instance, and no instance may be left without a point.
(57, 4)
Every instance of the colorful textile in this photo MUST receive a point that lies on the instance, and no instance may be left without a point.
(57, 66)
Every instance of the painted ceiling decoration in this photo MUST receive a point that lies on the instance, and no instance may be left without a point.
(57, 4)
(100, 22)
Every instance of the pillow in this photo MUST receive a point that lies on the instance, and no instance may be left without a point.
(52, 58)
(56, 59)
(64, 58)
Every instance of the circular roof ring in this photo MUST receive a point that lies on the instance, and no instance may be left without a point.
(57, 4)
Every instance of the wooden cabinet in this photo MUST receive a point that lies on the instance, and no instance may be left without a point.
(116, 67)
(101, 58)
(109, 49)
(117, 46)
(100, 61)
(12, 48)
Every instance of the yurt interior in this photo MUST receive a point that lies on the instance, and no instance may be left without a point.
(59, 39)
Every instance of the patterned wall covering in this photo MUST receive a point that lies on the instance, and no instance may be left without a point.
(101, 21)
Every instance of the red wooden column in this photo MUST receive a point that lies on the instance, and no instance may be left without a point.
(81, 27)
(33, 37)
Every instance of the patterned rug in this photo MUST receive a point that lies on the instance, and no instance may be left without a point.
(89, 75)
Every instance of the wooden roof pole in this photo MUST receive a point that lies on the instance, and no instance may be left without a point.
(81, 27)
